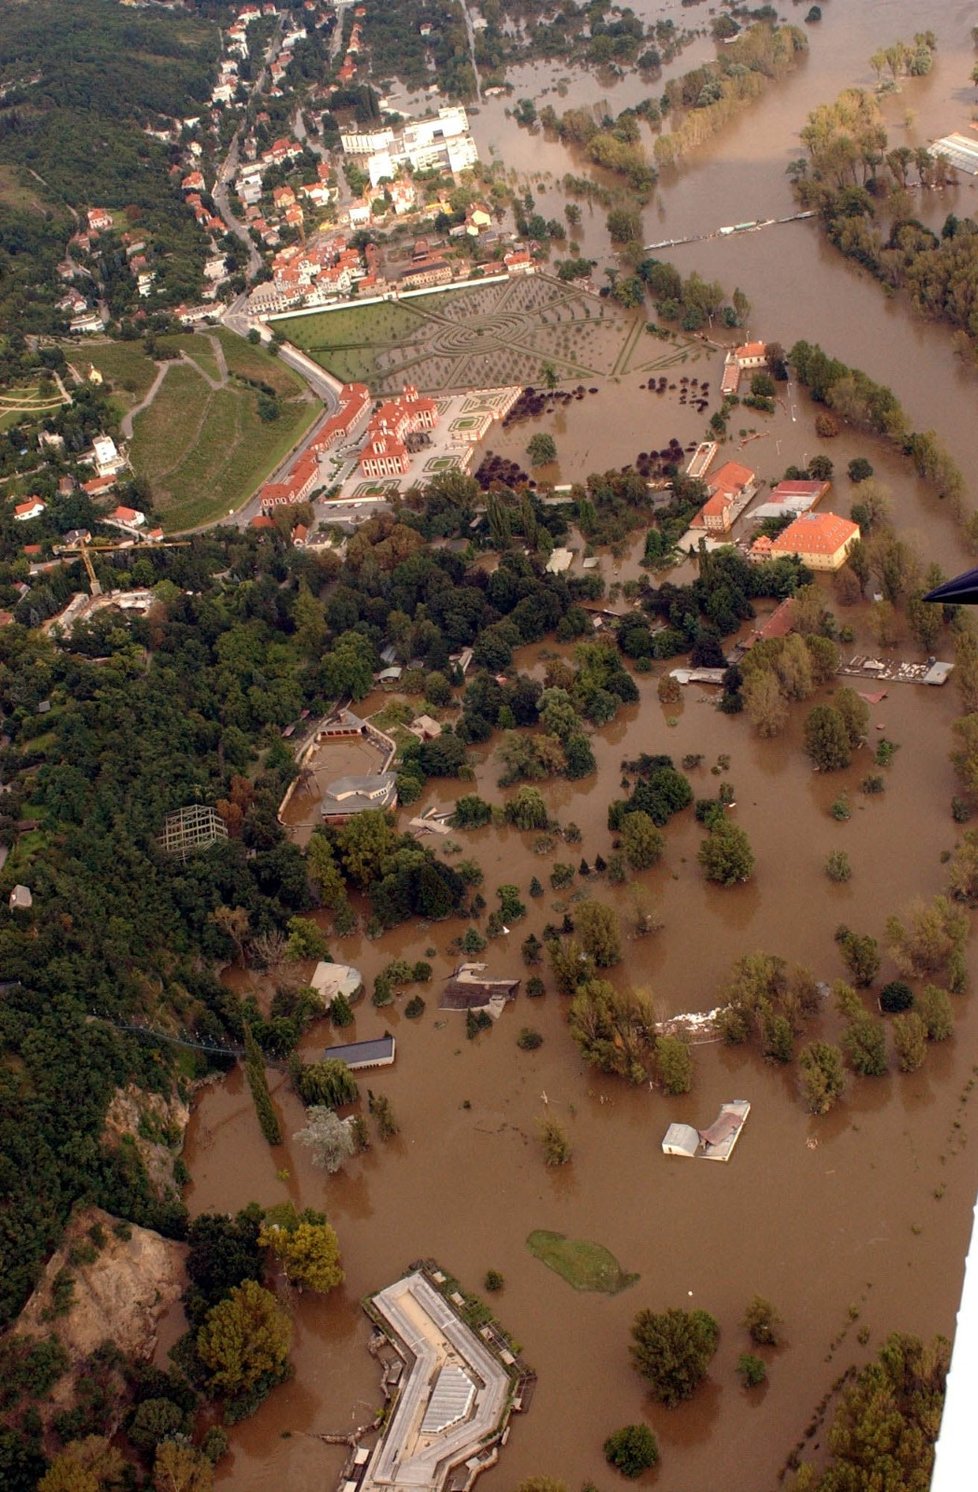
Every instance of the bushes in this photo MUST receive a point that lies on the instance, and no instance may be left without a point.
(895, 997)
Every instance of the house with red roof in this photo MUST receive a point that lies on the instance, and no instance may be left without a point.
(99, 486)
(751, 355)
(518, 262)
(194, 182)
(821, 541)
(99, 219)
(731, 488)
(131, 517)
(32, 508)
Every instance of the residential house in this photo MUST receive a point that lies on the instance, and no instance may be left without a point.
(731, 487)
(518, 262)
(426, 273)
(32, 508)
(98, 487)
(821, 541)
(130, 519)
(108, 461)
(99, 219)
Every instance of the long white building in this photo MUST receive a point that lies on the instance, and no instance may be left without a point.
(444, 140)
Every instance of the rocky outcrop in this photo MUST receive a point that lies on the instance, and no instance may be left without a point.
(108, 1282)
(155, 1125)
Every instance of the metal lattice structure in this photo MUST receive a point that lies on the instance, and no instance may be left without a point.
(191, 829)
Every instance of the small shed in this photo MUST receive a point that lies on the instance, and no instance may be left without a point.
(21, 899)
(680, 1139)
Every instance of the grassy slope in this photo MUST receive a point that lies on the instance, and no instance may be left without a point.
(204, 451)
(254, 362)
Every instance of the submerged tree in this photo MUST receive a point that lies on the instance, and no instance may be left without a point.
(672, 1351)
(245, 1339)
(556, 1146)
(328, 1137)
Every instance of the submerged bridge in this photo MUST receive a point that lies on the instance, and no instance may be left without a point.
(754, 226)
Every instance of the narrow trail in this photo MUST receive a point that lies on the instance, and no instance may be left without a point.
(125, 424)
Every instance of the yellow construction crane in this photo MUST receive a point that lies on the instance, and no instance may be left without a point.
(93, 580)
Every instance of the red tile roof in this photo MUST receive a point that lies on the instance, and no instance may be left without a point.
(815, 533)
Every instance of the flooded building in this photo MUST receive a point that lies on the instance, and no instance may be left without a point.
(715, 1143)
(379, 1052)
(330, 980)
(469, 989)
(821, 541)
(350, 795)
(454, 1397)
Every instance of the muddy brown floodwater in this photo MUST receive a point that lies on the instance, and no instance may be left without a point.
(856, 1220)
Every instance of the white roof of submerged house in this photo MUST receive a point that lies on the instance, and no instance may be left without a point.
(715, 1143)
(559, 561)
(680, 1139)
(330, 980)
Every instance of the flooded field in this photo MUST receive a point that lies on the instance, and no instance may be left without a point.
(820, 1215)
(852, 1223)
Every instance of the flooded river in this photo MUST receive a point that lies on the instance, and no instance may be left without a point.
(858, 1220)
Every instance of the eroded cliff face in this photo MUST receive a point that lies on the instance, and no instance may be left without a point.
(107, 1282)
(155, 1126)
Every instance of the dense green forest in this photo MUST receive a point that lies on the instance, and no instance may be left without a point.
(79, 80)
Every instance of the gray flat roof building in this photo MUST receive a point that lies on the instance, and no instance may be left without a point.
(379, 1052)
(349, 795)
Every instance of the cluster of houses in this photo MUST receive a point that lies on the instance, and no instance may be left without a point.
(348, 67)
(83, 311)
(821, 540)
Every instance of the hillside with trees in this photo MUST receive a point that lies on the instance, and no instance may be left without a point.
(79, 81)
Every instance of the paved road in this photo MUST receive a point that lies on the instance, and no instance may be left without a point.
(228, 168)
(222, 201)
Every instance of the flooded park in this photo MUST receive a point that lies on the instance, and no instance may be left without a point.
(854, 1224)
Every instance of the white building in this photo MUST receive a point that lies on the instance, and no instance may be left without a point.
(444, 140)
(108, 461)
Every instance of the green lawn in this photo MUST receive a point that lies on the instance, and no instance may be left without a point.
(379, 324)
(586, 1266)
(14, 194)
(205, 451)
